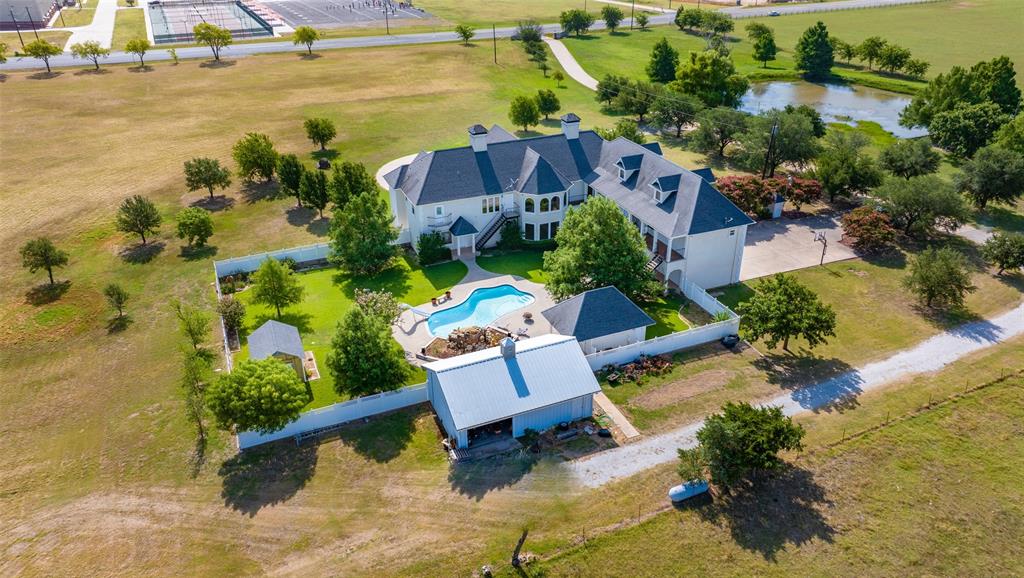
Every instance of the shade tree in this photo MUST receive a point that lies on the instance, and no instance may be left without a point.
(814, 54)
(844, 167)
(910, 158)
(940, 278)
(612, 16)
(320, 131)
(1005, 251)
(919, 205)
(42, 50)
(363, 235)
(794, 141)
(306, 35)
(966, 128)
(206, 173)
(215, 37)
(195, 226)
(781, 308)
(90, 50)
(41, 254)
(275, 285)
(994, 175)
(711, 76)
(262, 396)
(717, 128)
(674, 110)
(289, 174)
(255, 156)
(364, 359)
(663, 62)
(116, 297)
(465, 32)
(313, 190)
(576, 21)
(349, 179)
(138, 215)
(547, 102)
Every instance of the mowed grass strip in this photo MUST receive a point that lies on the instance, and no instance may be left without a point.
(129, 24)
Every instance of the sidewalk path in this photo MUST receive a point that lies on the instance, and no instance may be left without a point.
(101, 29)
(609, 408)
(930, 355)
(569, 63)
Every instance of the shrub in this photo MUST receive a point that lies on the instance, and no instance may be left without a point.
(871, 229)
(511, 236)
(431, 249)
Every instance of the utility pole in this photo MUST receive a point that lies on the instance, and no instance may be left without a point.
(31, 22)
(768, 153)
(61, 12)
(494, 42)
(632, 10)
(387, 25)
(16, 27)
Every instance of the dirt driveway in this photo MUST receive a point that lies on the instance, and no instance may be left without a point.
(788, 244)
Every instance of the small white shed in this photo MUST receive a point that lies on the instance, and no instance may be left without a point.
(530, 384)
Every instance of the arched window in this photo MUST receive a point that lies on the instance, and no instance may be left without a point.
(544, 205)
(529, 205)
(556, 202)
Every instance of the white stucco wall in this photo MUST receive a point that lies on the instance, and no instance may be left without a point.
(713, 259)
(614, 340)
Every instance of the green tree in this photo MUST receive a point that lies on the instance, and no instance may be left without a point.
(90, 50)
(117, 297)
(717, 128)
(843, 49)
(817, 123)
(320, 131)
(625, 128)
(364, 359)
(844, 167)
(262, 396)
(991, 81)
(910, 158)
(215, 37)
(255, 156)
(642, 20)
(306, 35)
(612, 17)
(547, 102)
(523, 112)
(289, 173)
(511, 237)
(794, 141)
(597, 247)
(940, 277)
(42, 50)
(195, 378)
(893, 58)
(195, 226)
(41, 253)
(558, 77)
(638, 98)
(814, 54)
(994, 175)
(609, 87)
(194, 324)
(920, 204)
(1011, 135)
(781, 308)
(675, 110)
(275, 285)
(232, 312)
(3, 52)
(1005, 251)
(348, 180)
(664, 62)
(529, 31)
(765, 49)
(714, 24)
(687, 19)
(871, 229)
(362, 235)
(870, 49)
(711, 77)
(967, 127)
(741, 440)
(206, 173)
(431, 248)
(576, 21)
(313, 190)
(138, 215)
(381, 304)
(465, 32)
(916, 68)
(756, 30)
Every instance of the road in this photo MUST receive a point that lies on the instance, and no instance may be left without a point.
(242, 50)
(930, 355)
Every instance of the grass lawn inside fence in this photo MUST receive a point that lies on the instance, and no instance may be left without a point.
(128, 25)
(73, 16)
(329, 295)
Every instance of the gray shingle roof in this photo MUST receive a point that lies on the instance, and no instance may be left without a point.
(596, 313)
(483, 387)
(275, 337)
(462, 227)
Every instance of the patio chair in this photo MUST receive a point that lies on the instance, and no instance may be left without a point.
(522, 332)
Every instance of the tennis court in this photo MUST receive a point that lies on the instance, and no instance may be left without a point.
(174, 20)
(340, 13)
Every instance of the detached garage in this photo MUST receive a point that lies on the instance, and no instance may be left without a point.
(530, 384)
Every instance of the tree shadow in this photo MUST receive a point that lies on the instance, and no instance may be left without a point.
(384, 437)
(195, 253)
(781, 509)
(46, 293)
(266, 475)
(141, 69)
(476, 479)
(214, 204)
(891, 259)
(308, 56)
(93, 72)
(217, 64)
(197, 458)
(1000, 217)
(299, 320)
(527, 133)
(815, 383)
(254, 192)
(3, 78)
(394, 280)
(118, 324)
(1014, 279)
(141, 254)
(329, 154)
(44, 75)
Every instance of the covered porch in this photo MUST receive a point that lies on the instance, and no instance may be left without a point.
(463, 237)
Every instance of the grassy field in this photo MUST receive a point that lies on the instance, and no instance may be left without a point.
(499, 12)
(328, 294)
(128, 24)
(78, 15)
(60, 38)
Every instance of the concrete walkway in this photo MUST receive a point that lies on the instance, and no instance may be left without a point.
(613, 412)
(930, 355)
(569, 63)
(101, 29)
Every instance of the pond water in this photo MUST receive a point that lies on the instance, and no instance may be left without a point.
(835, 102)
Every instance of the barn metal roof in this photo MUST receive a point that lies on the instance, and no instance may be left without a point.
(484, 387)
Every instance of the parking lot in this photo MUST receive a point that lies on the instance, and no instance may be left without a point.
(337, 14)
(784, 245)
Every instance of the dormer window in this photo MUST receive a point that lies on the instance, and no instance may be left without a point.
(622, 175)
(657, 193)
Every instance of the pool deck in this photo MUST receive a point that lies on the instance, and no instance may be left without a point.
(411, 330)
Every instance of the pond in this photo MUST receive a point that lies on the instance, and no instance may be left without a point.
(847, 104)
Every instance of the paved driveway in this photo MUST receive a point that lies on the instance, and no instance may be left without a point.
(788, 244)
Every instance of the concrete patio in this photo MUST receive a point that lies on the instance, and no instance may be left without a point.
(782, 245)
(411, 330)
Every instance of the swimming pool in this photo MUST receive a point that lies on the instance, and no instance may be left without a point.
(481, 308)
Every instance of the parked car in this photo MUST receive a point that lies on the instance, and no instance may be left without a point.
(774, 13)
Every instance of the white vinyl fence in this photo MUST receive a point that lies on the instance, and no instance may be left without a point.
(250, 263)
(674, 341)
(339, 413)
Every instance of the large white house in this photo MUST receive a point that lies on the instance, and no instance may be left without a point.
(468, 193)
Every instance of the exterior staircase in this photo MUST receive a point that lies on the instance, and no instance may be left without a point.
(494, 226)
(654, 262)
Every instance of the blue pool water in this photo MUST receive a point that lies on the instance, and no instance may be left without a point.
(481, 308)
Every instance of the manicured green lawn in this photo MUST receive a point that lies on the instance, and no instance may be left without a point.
(74, 16)
(528, 264)
(58, 37)
(480, 13)
(665, 312)
(328, 295)
(128, 24)
(1002, 217)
